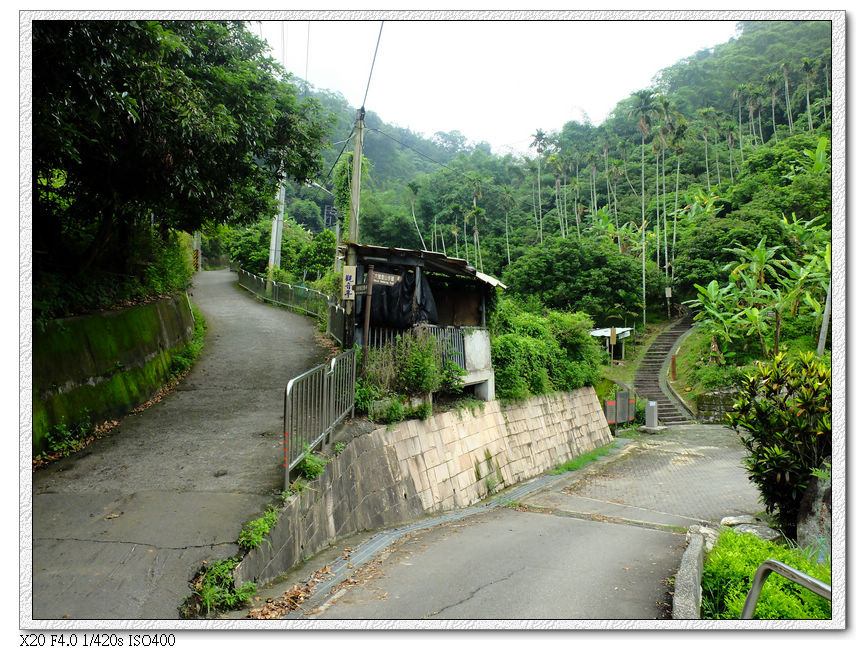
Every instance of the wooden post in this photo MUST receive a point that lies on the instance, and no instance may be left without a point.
(367, 308)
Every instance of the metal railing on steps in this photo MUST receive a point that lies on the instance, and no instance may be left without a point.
(774, 566)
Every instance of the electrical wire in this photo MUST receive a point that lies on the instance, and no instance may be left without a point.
(344, 145)
(363, 104)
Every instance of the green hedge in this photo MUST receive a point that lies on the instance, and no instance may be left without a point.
(536, 352)
(728, 572)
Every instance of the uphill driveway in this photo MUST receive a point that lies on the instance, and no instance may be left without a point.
(120, 528)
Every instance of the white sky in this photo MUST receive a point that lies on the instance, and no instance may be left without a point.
(497, 81)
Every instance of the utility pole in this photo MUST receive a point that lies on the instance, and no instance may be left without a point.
(351, 252)
(276, 230)
(357, 162)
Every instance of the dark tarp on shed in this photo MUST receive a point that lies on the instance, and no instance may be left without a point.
(392, 306)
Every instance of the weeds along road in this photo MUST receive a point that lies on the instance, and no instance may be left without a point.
(121, 527)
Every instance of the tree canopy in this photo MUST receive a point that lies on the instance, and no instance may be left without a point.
(156, 125)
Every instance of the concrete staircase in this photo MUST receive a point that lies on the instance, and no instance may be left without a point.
(648, 379)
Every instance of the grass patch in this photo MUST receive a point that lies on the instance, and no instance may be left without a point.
(583, 459)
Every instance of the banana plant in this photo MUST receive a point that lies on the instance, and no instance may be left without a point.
(756, 261)
(719, 311)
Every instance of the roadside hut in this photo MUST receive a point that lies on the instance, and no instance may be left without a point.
(422, 291)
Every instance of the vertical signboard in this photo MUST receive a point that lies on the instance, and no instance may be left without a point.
(349, 278)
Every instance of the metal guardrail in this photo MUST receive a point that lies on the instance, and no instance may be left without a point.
(769, 566)
(309, 301)
(315, 403)
(449, 338)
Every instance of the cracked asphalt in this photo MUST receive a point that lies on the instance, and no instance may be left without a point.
(119, 529)
(597, 544)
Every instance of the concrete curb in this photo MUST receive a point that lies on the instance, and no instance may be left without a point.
(688, 592)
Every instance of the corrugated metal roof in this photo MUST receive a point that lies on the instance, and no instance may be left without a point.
(432, 261)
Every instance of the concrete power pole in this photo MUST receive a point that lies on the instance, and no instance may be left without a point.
(357, 166)
(351, 253)
(276, 230)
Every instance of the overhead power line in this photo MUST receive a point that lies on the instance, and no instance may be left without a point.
(344, 145)
(363, 104)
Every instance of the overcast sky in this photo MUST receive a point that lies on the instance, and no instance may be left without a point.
(496, 81)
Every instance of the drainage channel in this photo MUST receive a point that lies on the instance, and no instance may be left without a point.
(380, 541)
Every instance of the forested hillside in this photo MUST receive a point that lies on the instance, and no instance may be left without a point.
(714, 157)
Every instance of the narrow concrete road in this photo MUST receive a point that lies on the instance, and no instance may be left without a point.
(599, 543)
(120, 528)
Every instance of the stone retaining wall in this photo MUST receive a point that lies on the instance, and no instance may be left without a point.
(400, 473)
(104, 365)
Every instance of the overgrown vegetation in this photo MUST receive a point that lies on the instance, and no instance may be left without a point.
(144, 130)
(410, 366)
(255, 532)
(536, 350)
(311, 464)
(728, 572)
(784, 418)
(183, 360)
(214, 590)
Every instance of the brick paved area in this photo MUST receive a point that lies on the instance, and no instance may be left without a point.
(690, 470)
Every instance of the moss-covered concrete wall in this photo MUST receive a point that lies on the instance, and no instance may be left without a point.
(106, 364)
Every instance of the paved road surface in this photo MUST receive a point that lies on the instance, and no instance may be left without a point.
(599, 543)
(181, 477)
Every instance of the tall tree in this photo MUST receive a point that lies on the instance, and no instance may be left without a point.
(809, 70)
(540, 142)
(739, 93)
(414, 187)
(644, 108)
(174, 123)
(771, 82)
(784, 67)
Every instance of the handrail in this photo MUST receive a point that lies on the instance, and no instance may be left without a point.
(803, 579)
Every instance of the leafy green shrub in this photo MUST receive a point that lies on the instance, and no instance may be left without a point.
(534, 353)
(728, 572)
(784, 417)
(418, 365)
(311, 465)
(451, 378)
(254, 533)
(392, 411)
(712, 375)
(409, 366)
(421, 412)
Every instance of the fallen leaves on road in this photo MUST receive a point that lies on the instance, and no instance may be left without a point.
(291, 599)
(113, 515)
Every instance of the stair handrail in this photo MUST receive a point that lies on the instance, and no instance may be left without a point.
(786, 571)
